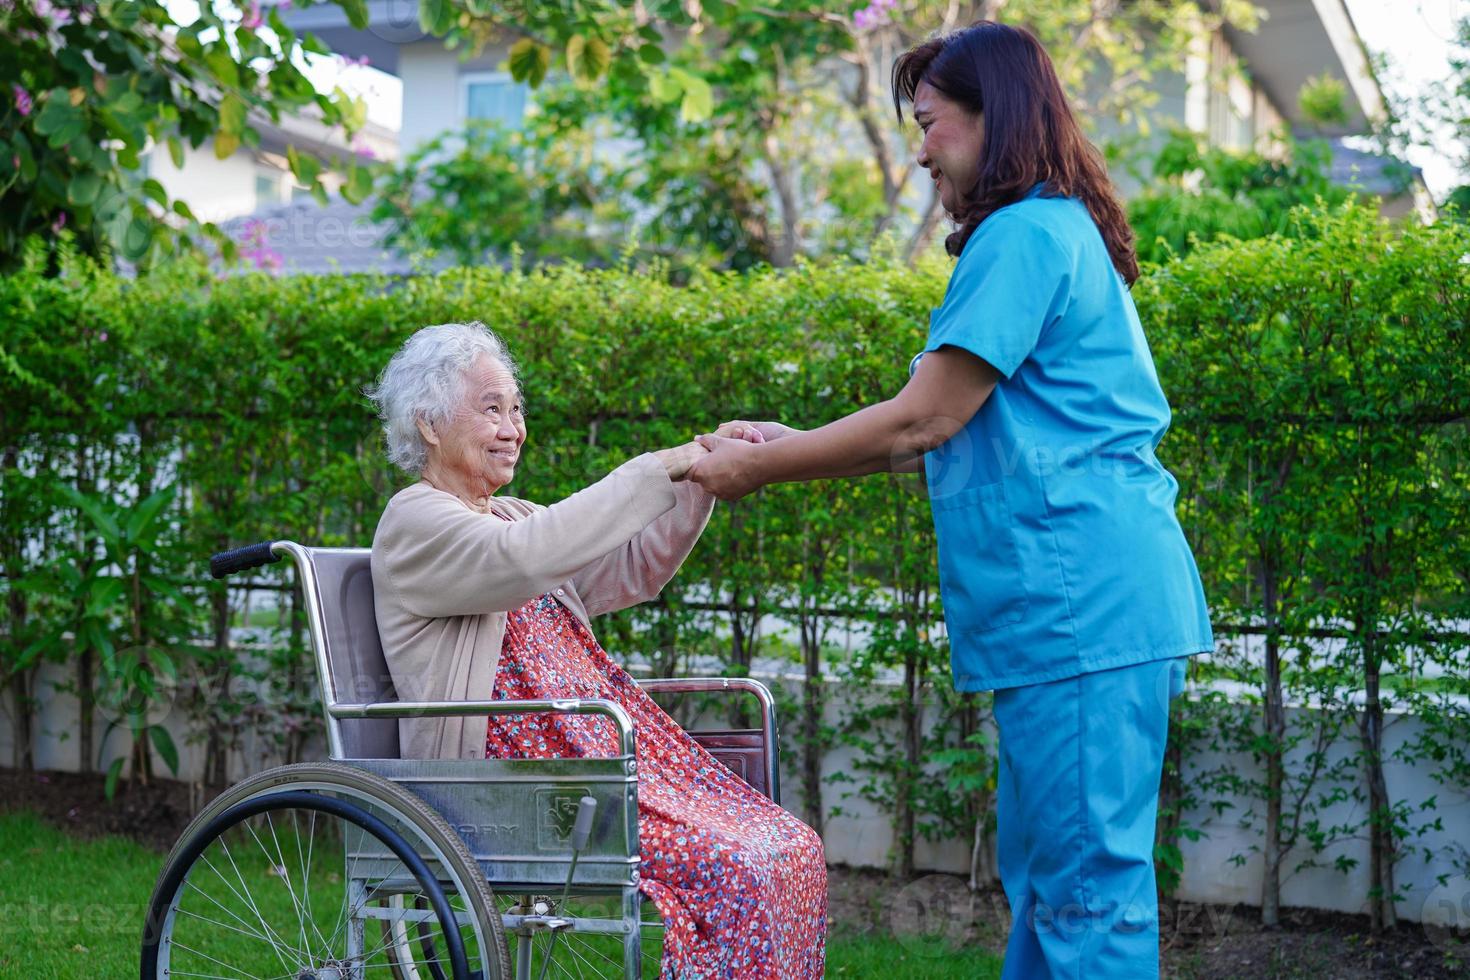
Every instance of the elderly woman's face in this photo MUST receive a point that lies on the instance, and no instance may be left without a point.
(481, 442)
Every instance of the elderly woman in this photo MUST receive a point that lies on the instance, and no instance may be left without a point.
(481, 595)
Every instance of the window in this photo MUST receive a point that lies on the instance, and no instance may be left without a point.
(493, 96)
(267, 189)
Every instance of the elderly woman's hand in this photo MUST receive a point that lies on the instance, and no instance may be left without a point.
(678, 459)
(753, 431)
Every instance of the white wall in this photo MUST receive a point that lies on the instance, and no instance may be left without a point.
(214, 189)
(863, 837)
(433, 100)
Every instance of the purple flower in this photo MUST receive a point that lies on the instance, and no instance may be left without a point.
(255, 248)
(362, 149)
(57, 15)
(22, 100)
(252, 19)
(863, 19)
(59, 223)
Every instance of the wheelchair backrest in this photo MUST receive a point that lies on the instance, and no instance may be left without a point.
(358, 673)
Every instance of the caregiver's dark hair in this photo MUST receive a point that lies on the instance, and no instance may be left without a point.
(1031, 135)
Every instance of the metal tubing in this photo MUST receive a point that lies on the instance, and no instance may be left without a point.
(306, 576)
(747, 685)
(433, 709)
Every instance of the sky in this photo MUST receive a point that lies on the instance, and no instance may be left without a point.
(1415, 36)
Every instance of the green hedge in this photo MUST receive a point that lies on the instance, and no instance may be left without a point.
(1319, 383)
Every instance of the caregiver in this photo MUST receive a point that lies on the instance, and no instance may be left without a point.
(1068, 586)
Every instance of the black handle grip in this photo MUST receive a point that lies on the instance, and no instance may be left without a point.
(250, 556)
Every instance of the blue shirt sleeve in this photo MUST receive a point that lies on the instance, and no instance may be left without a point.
(1011, 280)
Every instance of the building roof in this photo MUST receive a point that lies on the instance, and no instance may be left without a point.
(1299, 40)
(1373, 173)
(307, 237)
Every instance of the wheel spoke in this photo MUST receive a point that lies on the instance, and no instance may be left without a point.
(271, 936)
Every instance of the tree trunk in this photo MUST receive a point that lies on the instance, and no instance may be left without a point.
(1274, 724)
(905, 785)
(216, 750)
(86, 708)
(23, 750)
(933, 214)
(813, 701)
(1381, 912)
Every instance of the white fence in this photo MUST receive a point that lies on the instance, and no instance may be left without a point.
(1221, 867)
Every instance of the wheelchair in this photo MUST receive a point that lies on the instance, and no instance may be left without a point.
(372, 865)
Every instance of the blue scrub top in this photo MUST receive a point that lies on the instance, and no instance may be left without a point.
(1059, 549)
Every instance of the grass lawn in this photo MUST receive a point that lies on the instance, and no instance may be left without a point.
(79, 906)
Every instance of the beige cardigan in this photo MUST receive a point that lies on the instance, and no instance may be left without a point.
(444, 577)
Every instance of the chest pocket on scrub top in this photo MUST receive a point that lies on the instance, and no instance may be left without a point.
(981, 581)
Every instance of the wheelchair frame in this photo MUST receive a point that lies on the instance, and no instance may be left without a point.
(514, 815)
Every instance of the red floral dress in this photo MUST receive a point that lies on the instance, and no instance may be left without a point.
(740, 883)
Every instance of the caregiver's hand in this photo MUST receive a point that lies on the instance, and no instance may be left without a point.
(724, 471)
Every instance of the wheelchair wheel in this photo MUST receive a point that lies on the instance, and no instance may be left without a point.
(584, 955)
(322, 871)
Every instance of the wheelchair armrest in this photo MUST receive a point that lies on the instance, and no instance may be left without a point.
(434, 709)
(742, 685)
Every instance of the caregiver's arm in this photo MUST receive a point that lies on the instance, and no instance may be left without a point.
(944, 393)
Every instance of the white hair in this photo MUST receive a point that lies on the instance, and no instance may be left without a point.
(426, 380)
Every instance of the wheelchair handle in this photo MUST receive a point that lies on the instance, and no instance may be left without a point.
(239, 559)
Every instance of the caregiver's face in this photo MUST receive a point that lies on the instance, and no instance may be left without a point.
(481, 442)
(951, 147)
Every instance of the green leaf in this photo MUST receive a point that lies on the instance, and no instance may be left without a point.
(529, 61)
(176, 152)
(588, 58)
(137, 238)
(225, 145)
(146, 512)
(221, 62)
(357, 13)
(103, 593)
(699, 99)
(436, 17)
(154, 191)
(97, 639)
(109, 788)
(652, 54)
(304, 168)
(57, 112)
(82, 190)
(93, 509)
(359, 184)
(232, 115)
(664, 87)
(164, 743)
(164, 588)
(60, 121)
(182, 210)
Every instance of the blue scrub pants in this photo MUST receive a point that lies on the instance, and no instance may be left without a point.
(1076, 805)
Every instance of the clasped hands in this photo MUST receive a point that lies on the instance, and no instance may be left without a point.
(719, 461)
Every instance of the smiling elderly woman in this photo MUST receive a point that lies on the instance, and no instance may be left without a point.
(481, 595)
